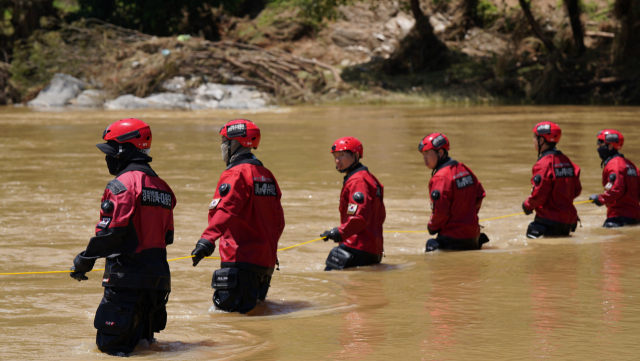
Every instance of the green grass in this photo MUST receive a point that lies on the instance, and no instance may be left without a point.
(67, 6)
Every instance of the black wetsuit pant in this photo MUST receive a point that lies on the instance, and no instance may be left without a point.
(454, 244)
(239, 290)
(615, 222)
(544, 227)
(127, 315)
(342, 257)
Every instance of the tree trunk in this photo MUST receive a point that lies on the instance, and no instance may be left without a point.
(536, 27)
(417, 12)
(625, 47)
(471, 14)
(573, 9)
(420, 50)
(26, 16)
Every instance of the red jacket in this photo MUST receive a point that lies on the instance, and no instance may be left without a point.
(620, 181)
(246, 214)
(456, 197)
(362, 211)
(136, 225)
(556, 183)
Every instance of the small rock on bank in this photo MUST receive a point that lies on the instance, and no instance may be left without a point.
(59, 92)
(206, 96)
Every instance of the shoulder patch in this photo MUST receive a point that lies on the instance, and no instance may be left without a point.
(563, 172)
(464, 181)
(156, 197)
(104, 222)
(358, 197)
(631, 172)
(265, 189)
(214, 203)
(352, 208)
(378, 191)
(106, 206)
(537, 179)
(116, 187)
(612, 177)
(224, 189)
(435, 195)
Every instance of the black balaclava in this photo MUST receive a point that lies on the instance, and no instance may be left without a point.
(121, 155)
(605, 153)
(231, 149)
(353, 166)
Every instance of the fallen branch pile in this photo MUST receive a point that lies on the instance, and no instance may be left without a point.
(124, 61)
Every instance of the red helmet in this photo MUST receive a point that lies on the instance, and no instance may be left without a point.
(130, 130)
(350, 144)
(434, 141)
(242, 130)
(549, 131)
(611, 136)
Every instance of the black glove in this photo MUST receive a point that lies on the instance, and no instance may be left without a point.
(333, 234)
(526, 211)
(433, 232)
(80, 276)
(203, 249)
(81, 265)
(596, 199)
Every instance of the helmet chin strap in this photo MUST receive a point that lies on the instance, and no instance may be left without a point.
(441, 159)
(539, 146)
(229, 151)
(351, 167)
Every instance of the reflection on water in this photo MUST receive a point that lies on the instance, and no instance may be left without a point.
(565, 298)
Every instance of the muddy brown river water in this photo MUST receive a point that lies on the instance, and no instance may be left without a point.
(556, 298)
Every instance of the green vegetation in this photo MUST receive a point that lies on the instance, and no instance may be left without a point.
(313, 11)
(488, 12)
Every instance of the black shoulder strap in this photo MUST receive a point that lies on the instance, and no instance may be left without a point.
(116, 187)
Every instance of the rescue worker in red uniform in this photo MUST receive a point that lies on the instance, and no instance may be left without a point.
(555, 184)
(620, 181)
(362, 211)
(456, 197)
(136, 225)
(247, 217)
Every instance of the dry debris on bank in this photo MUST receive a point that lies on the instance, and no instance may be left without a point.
(122, 61)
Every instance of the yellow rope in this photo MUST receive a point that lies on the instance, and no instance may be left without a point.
(300, 244)
(93, 270)
(281, 249)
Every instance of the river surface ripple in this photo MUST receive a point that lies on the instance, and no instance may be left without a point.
(565, 298)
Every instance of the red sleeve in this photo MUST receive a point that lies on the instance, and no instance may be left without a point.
(479, 196)
(223, 208)
(578, 183)
(173, 206)
(280, 212)
(540, 191)
(616, 186)
(117, 207)
(441, 197)
(123, 206)
(360, 218)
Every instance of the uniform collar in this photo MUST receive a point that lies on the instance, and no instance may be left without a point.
(247, 158)
(140, 167)
(355, 170)
(447, 163)
(613, 156)
(547, 152)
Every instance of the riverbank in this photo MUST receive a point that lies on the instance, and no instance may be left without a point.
(342, 59)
